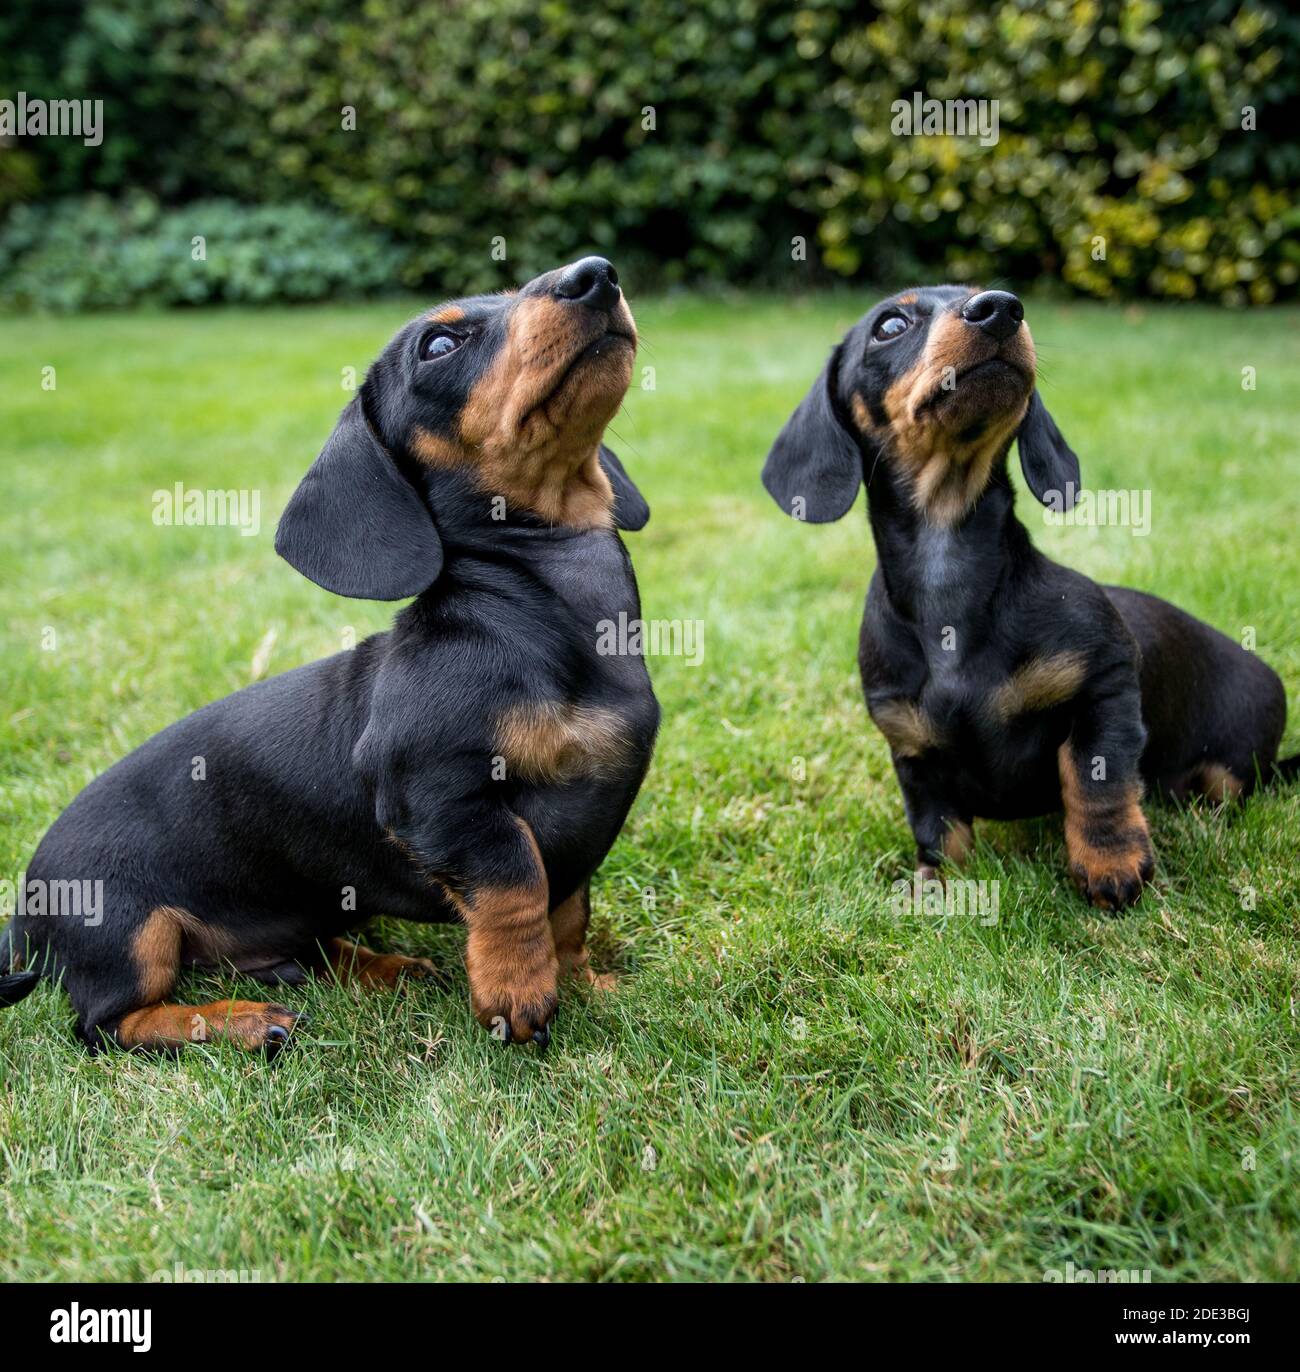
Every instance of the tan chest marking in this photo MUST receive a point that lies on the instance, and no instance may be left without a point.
(1039, 684)
(550, 741)
(575, 496)
(907, 728)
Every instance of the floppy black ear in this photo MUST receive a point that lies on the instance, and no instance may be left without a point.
(630, 509)
(1051, 469)
(815, 468)
(355, 525)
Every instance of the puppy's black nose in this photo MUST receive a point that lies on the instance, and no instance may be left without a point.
(592, 282)
(998, 313)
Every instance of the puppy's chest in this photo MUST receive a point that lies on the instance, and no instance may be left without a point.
(593, 714)
(978, 705)
(950, 700)
(598, 606)
(593, 586)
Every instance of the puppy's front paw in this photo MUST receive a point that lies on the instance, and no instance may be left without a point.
(516, 1021)
(1106, 836)
(514, 1002)
(351, 964)
(268, 1028)
(1113, 879)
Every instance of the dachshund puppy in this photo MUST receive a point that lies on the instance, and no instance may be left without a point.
(1006, 685)
(476, 762)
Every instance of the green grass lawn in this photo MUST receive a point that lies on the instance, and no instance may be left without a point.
(794, 1080)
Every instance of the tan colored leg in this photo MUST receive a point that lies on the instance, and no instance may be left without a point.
(569, 922)
(1106, 836)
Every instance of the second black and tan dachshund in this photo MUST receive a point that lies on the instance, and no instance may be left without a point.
(1007, 685)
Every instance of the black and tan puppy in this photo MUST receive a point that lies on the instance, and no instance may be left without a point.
(1007, 685)
(476, 762)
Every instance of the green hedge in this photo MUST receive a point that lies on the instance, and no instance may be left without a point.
(521, 120)
(89, 252)
(526, 121)
(1121, 130)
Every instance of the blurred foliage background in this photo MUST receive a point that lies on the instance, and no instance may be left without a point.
(693, 139)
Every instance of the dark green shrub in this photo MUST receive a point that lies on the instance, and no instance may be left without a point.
(482, 120)
(116, 51)
(1121, 132)
(90, 252)
(695, 139)
(1120, 122)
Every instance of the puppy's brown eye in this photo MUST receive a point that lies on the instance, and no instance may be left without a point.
(891, 326)
(438, 345)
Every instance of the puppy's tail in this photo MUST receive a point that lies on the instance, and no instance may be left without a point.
(1288, 769)
(14, 985)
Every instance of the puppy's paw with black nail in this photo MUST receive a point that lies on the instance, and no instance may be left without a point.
(519, 1022)
(1113, 881)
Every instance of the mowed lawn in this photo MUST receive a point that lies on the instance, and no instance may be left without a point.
(796, 1078)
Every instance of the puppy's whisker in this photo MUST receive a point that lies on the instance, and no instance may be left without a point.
(625, 442)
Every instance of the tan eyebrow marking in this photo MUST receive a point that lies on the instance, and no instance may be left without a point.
(449, 314)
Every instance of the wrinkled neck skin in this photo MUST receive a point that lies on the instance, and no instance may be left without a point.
(936, 576)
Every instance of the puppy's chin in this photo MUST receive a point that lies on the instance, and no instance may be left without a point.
(590, 395)
(984, 399)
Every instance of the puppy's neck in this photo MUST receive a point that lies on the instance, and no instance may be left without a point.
(493, 544)
(561, 484)
(944, 573)
(556, 575)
